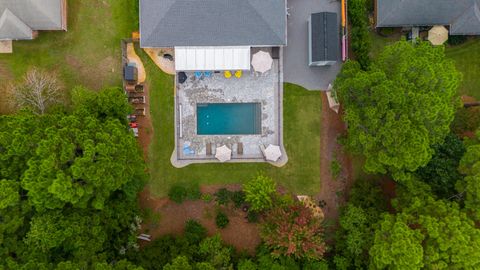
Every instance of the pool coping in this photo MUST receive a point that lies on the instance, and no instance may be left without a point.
(180, 163)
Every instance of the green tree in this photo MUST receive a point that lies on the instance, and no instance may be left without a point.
(470, 185)
(401, 106)
(179, 263)
(260, 192)
(425, 232)
(441, 173)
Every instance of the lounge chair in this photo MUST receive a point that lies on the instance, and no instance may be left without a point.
(240, 148)
(208, 149)
(238, 73)
(207, 74)
(198, 75)
(227, 74)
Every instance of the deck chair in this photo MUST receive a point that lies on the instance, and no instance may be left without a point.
(240, 148)
(208, 149)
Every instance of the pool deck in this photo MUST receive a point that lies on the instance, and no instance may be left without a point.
(266, 89)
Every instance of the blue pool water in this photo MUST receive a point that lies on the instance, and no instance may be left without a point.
(228, 118)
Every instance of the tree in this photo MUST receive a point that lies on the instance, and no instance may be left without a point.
(425, 232)
(68, 186)
(357, 220)
(401, 106)
(259, 192)
(179, 263)
(469, 186)
(441, 173)
(38, 91)
(294, 231)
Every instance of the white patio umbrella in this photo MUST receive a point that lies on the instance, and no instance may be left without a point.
(223, 153)
(273, 152)
(438, 35)
(262, 61)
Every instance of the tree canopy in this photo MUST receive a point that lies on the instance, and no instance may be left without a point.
(398, 108)
(68, 185)
(469, 186)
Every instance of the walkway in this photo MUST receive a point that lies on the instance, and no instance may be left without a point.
(296, 69)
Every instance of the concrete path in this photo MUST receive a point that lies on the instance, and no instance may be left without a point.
(296, 69)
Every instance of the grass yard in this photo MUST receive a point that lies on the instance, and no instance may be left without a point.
(467, 61)
(87, 54)
(302, 114)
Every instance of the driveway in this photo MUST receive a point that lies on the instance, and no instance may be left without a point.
(295, 61)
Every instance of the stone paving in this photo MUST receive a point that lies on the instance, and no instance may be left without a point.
(250, 88)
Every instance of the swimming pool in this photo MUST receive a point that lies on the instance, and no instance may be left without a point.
(228, 118)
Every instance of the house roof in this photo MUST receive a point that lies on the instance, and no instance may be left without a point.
(170, 23)
(37, 14)
(463, 16)
(325, 36)
(11, 27)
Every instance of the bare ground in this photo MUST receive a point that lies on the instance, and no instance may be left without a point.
(333, 190)
(239, 233)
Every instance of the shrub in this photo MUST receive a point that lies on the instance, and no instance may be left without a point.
(335, 168)
(259, 192)
(180, 193)
(206, 197)
(238, 198)
(221, 220)
(177, 193)
(222, 196)
(194, 231)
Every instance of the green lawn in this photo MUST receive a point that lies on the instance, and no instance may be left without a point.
(302, 112)
(89, 53)
(467, 61)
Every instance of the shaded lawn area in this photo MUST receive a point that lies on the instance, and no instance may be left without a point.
(89, 53)
(467, 61)
(302, 114)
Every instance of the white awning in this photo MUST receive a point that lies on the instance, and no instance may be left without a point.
(212, 58)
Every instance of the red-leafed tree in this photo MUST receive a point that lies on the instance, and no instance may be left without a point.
(294, 231)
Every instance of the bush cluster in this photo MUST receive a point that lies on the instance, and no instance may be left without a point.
(224, 196)
(359, 36)
(221, 220)
(179, 193)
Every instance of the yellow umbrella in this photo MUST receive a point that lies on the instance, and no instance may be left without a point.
(438, 35)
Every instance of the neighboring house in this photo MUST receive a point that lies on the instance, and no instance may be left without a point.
(463, 16)
(21, 19)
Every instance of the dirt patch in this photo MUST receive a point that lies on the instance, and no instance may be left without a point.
(239, 233)
(333, 190)
(6, 101)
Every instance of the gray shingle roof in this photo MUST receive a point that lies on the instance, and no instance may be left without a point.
(325, 37)
(12, 28)
(463, 16)
(37, 14)
(168, 23)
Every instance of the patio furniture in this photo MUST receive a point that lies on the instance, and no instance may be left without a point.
(438, 35)
(208, 149)
(223, 153)
(227, 74)
(240, 148)
(130, 73)
(187, 150)
(332, 101)
(262, 62)
(182, 77)
(167, 56)
(207, 74)
(238, 73)
(198, 75)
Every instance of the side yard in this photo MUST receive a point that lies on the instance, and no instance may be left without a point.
(87, 54)
(302, 113)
